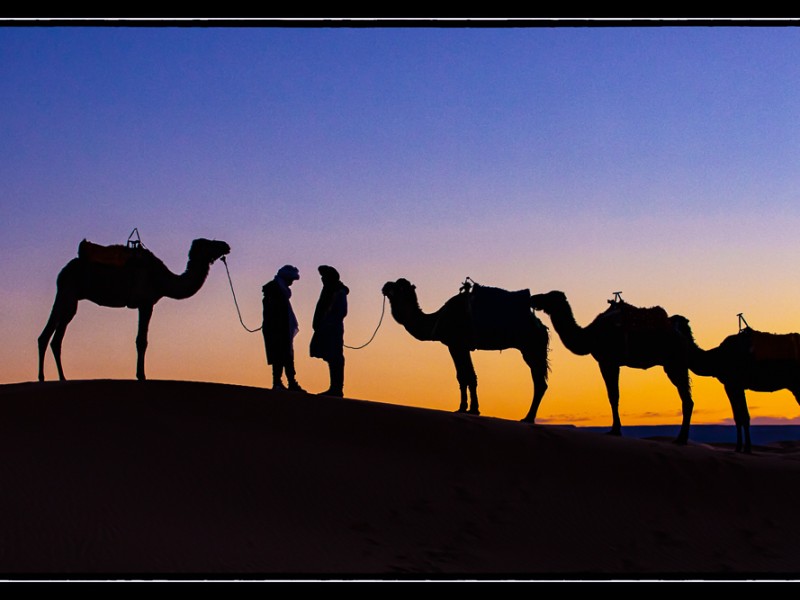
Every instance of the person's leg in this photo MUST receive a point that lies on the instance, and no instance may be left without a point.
(277, 373)
(291, 376)
(336, 370)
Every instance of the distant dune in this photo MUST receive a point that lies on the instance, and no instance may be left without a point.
(186, 480)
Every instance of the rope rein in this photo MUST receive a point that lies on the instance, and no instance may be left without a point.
(239, 312)
(383, 310)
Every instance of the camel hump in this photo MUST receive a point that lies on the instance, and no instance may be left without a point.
(774, 346)
(494, 309)
(494, 298)
(635, 318)
(115, 255)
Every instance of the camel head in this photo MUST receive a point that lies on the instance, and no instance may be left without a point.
(548, 302)
(400, 290)
(402, 295)
(207, 251)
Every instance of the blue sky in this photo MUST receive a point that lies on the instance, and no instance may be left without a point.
(662, 161)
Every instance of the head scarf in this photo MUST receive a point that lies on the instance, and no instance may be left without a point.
(331, 283)
(329, 274)
(289, 273)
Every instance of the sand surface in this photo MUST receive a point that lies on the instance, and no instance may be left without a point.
(165, 479)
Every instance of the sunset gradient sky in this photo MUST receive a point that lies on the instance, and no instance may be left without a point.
(660, 161)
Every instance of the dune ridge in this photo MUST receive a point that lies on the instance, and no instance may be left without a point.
(191, 479)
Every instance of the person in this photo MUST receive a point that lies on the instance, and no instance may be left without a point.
(280, 326)
(327, 342)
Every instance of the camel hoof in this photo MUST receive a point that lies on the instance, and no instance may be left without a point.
(614, 432)
(680, 441)
(474, 411)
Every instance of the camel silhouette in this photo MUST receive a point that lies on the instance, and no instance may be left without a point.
(120, 276)
(624, 336)
(749, 360)
(478, 318)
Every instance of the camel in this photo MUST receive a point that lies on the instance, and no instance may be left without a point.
(120, 276)
(749, 360)
(624, 336)
(478, 318)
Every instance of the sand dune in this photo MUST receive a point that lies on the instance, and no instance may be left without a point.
(191, 480)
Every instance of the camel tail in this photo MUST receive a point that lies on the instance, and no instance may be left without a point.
(545, 333)
(681, 325)
(701, 362)
(546, 350)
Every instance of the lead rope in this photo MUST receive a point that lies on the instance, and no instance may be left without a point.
(230, 281)
(239, 312)
(383, 310)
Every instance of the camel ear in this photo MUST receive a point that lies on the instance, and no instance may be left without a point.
(413, 287)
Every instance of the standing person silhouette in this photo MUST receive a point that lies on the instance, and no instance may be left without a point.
(280, 326)
(327, 342)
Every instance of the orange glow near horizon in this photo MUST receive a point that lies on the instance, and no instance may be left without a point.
(581, 159)
(395, 368)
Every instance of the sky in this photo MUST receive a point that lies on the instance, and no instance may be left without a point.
(657, 161)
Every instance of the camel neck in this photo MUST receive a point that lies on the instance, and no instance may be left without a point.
(572, 335)
(187, 283)
(420, 325)
(702, 362)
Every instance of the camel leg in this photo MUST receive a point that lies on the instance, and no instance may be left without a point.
(67, 307)
(539, 377)
(464, 404)
(44, 339)
(463, 390)
(610, 374)
(680, 379)
(795, 389)
(795, 392)
(472, 386)
(467, 380)
(145, 312)
(741, 416)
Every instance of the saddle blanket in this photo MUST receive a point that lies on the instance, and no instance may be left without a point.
(775, 346)
(494, 309)
(633, 318)
(116, 256)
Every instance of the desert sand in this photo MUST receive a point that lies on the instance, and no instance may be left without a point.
(187, 480)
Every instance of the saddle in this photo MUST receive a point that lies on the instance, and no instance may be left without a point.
(115, 255)
(774, 346)
(633, 318)
(493, 312)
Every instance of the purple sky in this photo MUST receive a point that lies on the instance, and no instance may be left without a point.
(661, 161)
